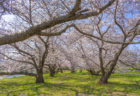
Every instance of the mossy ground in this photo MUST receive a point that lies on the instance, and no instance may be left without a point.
(68, 84)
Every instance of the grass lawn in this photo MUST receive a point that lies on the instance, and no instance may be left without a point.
(68, 84)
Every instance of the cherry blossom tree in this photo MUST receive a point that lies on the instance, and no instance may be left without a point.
(29, 55)
(105, 36)
(42, 15)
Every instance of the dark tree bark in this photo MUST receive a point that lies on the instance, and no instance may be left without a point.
(52, 73)
(80, 70)
(104, 79)
(60, 70)
(39, 76)
(73, 70)
(52, 69)
(92, 72)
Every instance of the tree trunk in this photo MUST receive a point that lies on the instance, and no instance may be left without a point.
(52, 73)
(105, 75)
(73, 69)
(39, 76)
(104, 79)
(80, 70)
(92, 72)
(61, 70)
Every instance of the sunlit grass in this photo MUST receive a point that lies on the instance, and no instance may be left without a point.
(68, 84)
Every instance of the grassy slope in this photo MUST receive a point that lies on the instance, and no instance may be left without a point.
(68, 84)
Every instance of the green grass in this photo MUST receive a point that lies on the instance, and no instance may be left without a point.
(68, 84)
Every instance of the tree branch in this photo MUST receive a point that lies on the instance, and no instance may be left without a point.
(107, 41)
(26, 62)
(35, 30)
(56, 33)
(76, 6)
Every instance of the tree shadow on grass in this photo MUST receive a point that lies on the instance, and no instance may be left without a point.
(77, 78)
(127, 87)
(85, 89)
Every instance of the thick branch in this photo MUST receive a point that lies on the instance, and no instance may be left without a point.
(129, 65)
(76, 6)
(116, 22)
(13, 59)
(35, 30)
(56, 33)
(107, 41)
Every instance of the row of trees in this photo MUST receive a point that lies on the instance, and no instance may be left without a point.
(96, 36)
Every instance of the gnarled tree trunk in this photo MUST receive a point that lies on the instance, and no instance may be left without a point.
(39, 76)
(73, 70)
(104, 79)
(52, 73)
